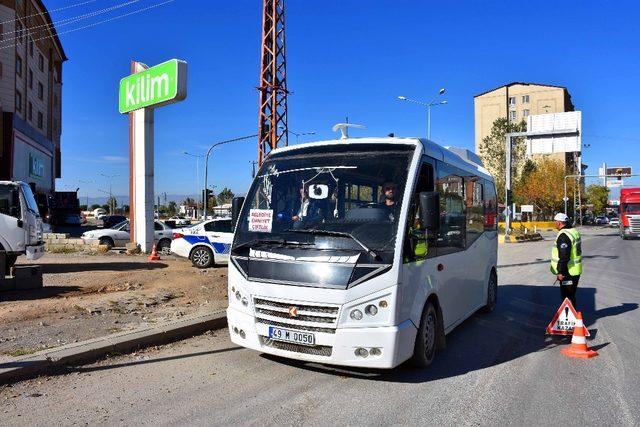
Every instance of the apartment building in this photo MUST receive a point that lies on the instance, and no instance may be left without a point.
(516, 101)
(31, 58)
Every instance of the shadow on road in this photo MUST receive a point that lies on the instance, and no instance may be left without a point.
(35, 294)
(544, 261)
(147, 361)
(100, 266)
(515, 329)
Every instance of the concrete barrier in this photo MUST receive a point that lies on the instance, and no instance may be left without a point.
(531, 225)
(61, 242)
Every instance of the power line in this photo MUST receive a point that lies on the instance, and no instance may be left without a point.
(612, 137)
(52, 10)
(97, 23)
(73, 19)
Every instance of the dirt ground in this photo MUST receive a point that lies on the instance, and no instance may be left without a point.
(87, 296)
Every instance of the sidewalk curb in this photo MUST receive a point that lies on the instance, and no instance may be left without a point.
(90, 350)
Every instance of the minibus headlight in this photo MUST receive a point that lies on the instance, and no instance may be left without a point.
(371, 310)
(356, 314)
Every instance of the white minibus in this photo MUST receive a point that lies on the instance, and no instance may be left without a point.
(362, 251)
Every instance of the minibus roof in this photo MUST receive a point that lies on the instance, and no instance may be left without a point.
(430, 148)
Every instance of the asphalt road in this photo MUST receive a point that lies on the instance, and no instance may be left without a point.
(497, 369)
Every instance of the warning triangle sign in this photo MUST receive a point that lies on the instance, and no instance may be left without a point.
(564, 320)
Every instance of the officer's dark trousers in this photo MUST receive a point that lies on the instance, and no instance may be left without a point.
(569, 291)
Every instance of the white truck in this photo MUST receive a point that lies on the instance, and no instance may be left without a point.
(20, 222)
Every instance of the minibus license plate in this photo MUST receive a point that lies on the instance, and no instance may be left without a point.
(288, 335)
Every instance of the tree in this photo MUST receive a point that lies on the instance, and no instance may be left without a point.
(95, 206)
(493, 153)
(83, 207)
(542, 186)
(125, 209)
(598, 196)
(225, 196)
(111, 201)
(172, 207)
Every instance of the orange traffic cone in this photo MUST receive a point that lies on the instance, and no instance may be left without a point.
(578, 348)
(154, 254)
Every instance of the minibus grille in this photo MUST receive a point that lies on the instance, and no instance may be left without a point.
(318, 318)
(318, 350)
(297, 327)
(304, 307)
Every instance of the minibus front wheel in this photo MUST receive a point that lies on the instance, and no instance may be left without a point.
(427, 337)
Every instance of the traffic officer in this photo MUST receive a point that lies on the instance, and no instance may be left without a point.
(566, 257)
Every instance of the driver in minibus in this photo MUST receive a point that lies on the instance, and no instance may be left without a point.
(389, 202)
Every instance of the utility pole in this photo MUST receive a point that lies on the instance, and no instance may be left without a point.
(272, 117)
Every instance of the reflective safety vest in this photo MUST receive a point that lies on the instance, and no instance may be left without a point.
(575, 261)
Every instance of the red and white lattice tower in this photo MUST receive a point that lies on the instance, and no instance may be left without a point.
(272, 123)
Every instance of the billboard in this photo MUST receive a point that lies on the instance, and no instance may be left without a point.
(620, 171)
(558, 133)
(614, 175)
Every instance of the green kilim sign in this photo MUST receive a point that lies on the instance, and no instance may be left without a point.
(160, 85)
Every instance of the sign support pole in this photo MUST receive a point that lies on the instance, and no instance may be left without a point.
(141, 200)
(139, 94)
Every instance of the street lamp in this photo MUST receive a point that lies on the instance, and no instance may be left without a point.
(87, 195)
(298, 134)
(110, 178)
(433, 103)
(206, 164)
(198, 157)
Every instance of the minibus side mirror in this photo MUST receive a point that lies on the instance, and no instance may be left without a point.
(430, 210)
(236, 206)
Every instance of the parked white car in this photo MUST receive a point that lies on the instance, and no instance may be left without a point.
(614, 222)
(118, 236)
(179, 221)
(206, 243)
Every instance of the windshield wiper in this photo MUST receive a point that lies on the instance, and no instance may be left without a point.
(281, 242)
(335, 233)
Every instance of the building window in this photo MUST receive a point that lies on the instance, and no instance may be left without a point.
(525, 113)
(40, 62)
(512, 100)
(40, 119)
(31, 47)
(525, 99)
(513, 115)
(18, 65)
(40, 90)
(30, 78)
(29, 111)
(18, 101)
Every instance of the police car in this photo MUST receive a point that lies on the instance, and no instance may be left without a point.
(206, 243)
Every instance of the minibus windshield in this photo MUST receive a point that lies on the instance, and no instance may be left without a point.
(348, 194)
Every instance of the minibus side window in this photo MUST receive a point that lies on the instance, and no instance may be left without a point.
(452, 233)
(490, 207)
(415, 247)
(475, 208)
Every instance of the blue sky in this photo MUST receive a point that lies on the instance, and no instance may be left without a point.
(345, 58)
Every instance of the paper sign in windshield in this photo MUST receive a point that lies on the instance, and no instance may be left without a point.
(260, 220)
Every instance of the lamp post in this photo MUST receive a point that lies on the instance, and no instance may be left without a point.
(206, 164)
(434, 103)
(110, 178)
(198, 157)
